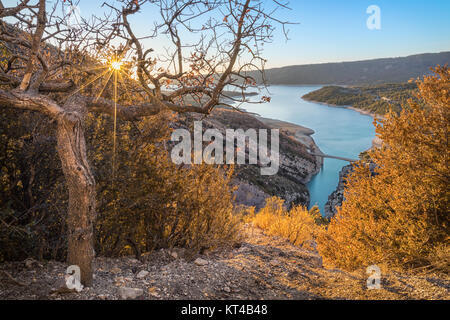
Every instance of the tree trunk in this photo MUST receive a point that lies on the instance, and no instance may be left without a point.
(81, 185)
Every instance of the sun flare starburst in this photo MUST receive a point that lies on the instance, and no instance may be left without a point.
(113, 70)
(115, 65)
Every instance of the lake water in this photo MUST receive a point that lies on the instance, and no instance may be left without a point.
(338, 131)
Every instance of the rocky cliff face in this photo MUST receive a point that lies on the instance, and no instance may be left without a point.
(337, 197)
(297, 166)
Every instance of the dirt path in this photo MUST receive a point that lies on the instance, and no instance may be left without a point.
(262, 268)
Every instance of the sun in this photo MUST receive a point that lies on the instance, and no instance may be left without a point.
(115, 65)
(112, 69)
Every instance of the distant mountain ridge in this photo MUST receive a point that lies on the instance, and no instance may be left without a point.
(374, 71)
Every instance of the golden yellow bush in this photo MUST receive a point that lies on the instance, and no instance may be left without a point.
(400, 216)
(246, 213)
(297, 225)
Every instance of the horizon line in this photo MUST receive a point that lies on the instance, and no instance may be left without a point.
(362, 60)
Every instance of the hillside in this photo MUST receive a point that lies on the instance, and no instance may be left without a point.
(377, 99)
(262, 267)
(375, 71)
(297, 166)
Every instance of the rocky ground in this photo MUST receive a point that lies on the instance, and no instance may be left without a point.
(261, 268)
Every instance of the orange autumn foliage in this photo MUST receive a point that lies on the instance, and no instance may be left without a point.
(399, 217)
(298, 225)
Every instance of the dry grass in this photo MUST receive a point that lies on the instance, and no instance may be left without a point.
(297, 225)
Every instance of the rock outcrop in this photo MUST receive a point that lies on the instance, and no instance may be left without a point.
(337, 197)
(296, 169)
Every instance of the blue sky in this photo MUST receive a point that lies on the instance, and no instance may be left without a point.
(335, 30)
(331, 31)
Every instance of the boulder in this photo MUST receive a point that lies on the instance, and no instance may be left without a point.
(201, 262)
(142, 274)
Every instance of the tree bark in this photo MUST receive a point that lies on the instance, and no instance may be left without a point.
(81, 184)
(71, 146)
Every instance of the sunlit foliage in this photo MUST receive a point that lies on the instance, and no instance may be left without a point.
(400, 216)
(152, 203)
(297, 225)
(146, 203)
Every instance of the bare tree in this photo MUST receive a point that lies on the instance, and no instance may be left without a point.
(46, 61)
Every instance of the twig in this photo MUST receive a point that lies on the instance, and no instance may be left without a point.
(13, 279)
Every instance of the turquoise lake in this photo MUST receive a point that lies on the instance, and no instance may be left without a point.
(338, 131)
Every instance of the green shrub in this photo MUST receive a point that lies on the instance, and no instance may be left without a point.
(147, 203)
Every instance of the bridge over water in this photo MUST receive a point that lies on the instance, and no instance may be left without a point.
(323, 155)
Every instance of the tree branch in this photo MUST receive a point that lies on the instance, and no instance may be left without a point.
(41, 18)
(30, 101)
(7, 12)
(49, 86)
(134, 112)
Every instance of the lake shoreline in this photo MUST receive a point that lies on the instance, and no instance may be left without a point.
(299, 133)
(376, 142)
(361, 111)
(295, 131)
(333, 130)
